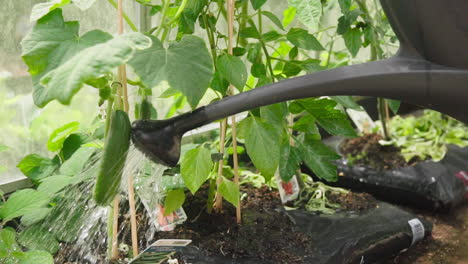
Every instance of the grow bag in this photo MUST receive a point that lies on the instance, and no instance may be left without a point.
(428, 185)
(345, 238)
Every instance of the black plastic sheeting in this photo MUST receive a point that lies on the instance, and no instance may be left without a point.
(427, 185)
(342, 238)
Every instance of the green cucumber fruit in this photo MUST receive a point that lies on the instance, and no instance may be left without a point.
(113, 158)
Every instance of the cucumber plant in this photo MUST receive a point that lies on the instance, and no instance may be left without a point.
(187, 50)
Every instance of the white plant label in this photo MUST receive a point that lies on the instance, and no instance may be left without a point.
(163, 251)
(362, 120)
(288, 190)
(169, 222)
(418, 230)
(172, 242)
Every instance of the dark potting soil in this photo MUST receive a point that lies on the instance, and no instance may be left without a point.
(366, 150)
(355, 202)
(266, 232)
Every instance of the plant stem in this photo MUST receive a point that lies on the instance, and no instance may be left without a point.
(210, 39)
(127, 19)
(243, 22)
(260, 26)
(211, 195)
(330, 50)
(264, 48)
(179, 11)
(381, 104)
(165, 9)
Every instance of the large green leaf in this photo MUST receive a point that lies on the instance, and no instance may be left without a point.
(309, 12)
(8, 238)
(36, 167)
(233, 70)
(42, 9)
(273, 19)
(302, 39)
(60, 134)
(319, 158)
(83, 4)
(37, 237)
(256, 4)
(74, 142)
(288, 15)
(345, 5)
(274, 115)
(195, 167)
(53, 184)
(9, 249)
(174, 200)
(51, 43)
(35, 216)
(90, 64)
(347, 101)
(306, 124)
(262, 143)
(219, 84)
(77, 162)
(35, 257)
(394, 105)
(289, 162)
(323, 110)
(190, 15)
(353, 40)
(22, 202)
(230, 191)
(186, 65)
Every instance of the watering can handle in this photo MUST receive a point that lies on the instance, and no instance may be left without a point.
(411, 80)
(403, 77)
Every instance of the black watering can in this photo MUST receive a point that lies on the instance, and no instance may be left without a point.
(430, 70)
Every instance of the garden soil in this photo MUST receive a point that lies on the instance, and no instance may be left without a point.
(365, 230)
(384, 173)
(447, 245)
(366, 150)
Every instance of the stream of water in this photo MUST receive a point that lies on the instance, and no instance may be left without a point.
(82, 226)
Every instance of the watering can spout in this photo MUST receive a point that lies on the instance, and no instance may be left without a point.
(407, 78)
(430, 70)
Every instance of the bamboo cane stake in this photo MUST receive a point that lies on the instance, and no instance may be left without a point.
(219, 198)
(230, 9)
(131, 193)
(115, 228)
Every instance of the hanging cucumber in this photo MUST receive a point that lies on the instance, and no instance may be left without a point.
(113, 158)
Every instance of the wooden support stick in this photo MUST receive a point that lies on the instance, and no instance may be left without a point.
(131, 192)
(131, 201)
(219, 198)
(115, 229)
(236, 164)
(230, 10)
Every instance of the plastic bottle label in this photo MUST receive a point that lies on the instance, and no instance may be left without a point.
(418, 230)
